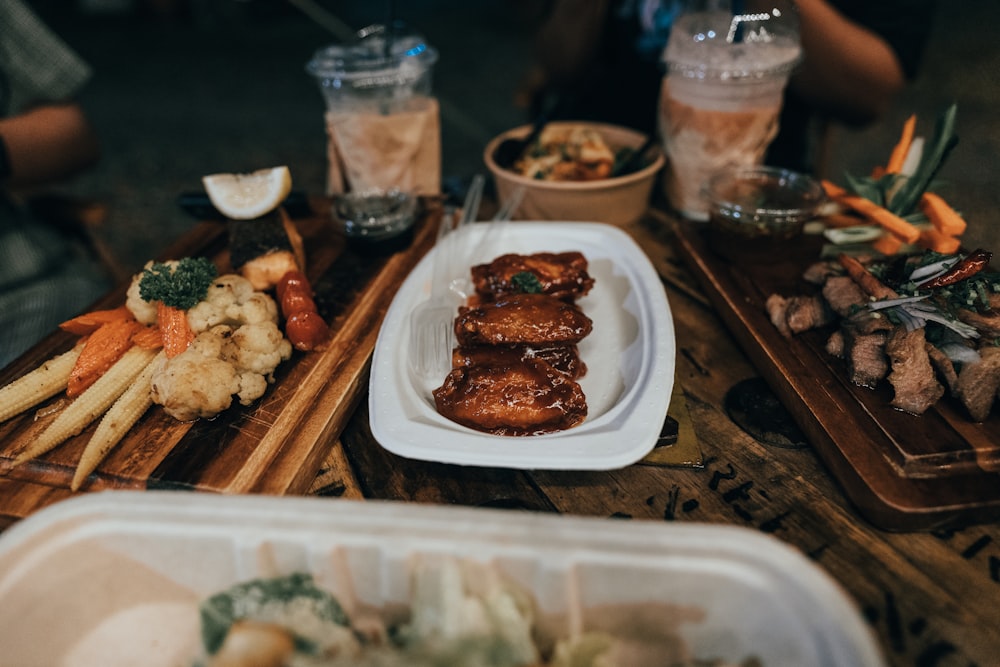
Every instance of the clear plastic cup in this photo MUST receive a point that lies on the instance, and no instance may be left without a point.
(382, 122)
(722, 93)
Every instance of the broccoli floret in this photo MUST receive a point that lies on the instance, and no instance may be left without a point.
(179, 285)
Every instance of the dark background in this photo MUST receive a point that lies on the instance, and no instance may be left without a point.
(183, 89)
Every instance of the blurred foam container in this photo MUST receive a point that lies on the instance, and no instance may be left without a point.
(115, 578)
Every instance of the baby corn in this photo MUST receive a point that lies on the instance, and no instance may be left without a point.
(44, 382)
(119, 418)
(90, 404)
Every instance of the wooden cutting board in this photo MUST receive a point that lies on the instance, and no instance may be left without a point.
(902, 471)
(275, 445)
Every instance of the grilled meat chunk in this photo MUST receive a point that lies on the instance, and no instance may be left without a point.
(819, 272)
(944, 367)
(979, 383)
(915, 387)
(797, 313)
(987, 324)
(835, 344)
(529, 319)
(562, 275)
(865, 356)
(843, 295)
(520, 397)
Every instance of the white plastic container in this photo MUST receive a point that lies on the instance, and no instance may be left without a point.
(115, 578)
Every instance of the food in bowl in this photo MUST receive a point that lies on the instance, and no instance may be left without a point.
(571, 153)
(753, 210)
(616, 200)
(460, 612)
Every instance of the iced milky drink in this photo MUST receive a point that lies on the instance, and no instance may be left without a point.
(701, 138)
(382, 121)
(369, 150)
(719, 106)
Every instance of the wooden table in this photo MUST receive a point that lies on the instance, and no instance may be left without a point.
(932, 597)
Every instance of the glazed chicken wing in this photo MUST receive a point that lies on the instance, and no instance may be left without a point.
(532, 319)
(522, 397)
(562, 275)
(564, 358)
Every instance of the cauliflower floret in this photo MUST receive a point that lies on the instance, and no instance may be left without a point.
(232, 300)
(259, 348)
(252, 387)
(143, 310)
(220, 362)
(196, 383)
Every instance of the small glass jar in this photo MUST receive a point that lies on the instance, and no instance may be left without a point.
(755, 211)
(376, 221)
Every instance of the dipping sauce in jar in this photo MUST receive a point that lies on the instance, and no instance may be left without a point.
(755, 211)
(376, 222)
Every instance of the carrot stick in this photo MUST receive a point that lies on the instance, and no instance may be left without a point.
(103, 348)
(933, 239)
(833, 191)
(842, 220)
(86, 323)
(864, 278)
(887, 244)
(148, 338)
(898, 155)
(174, 328)
(944, 218)
(872, 211)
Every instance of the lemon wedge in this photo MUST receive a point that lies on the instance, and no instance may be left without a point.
(248, 196)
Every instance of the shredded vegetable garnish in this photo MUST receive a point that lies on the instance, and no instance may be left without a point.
(936, 287)
(934, 269)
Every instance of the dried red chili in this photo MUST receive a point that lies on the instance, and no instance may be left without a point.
(968, 266)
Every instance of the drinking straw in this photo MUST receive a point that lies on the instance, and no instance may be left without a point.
(390, 26)
(739, 9)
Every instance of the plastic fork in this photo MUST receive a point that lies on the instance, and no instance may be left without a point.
(432, 322)
(462, 285)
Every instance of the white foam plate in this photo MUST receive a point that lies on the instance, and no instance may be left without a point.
(115, 578)
(629, 356)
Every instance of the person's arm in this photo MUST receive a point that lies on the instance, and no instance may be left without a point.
(848, 71)
(48, 144)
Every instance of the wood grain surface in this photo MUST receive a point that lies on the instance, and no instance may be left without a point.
(930, 597)
(903, 471)
(274, 445)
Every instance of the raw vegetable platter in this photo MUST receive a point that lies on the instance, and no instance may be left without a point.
(274, 445)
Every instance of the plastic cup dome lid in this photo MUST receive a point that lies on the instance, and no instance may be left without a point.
(723, 45)
(395, 58)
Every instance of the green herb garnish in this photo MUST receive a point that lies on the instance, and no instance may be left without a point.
(526, 282)
(293, 597)
(179, 286)
(906, 198)
(900, 194)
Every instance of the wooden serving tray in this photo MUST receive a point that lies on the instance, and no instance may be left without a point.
(902, 471)
(275, 445)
